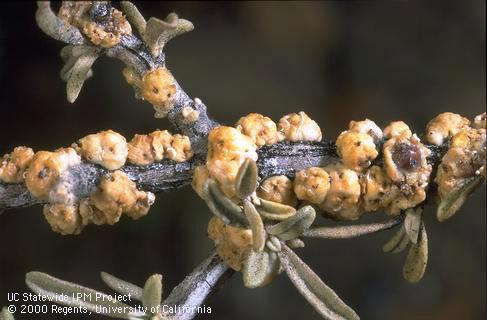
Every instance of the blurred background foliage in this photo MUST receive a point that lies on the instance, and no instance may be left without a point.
(338, 61)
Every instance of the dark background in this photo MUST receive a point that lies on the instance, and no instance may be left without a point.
(338, 61)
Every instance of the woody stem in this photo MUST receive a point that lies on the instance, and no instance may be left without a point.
(283, 158)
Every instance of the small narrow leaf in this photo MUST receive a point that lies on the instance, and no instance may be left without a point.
(223, 207)
(295, 243)
(417, 258)
(76, 51)
(256, 224)
(66, 52)
(325, 301)
(90, 299)
(352, 231)
(271, 210)
(259, 268)
(158, 32)
(79, 73)
(67, 69)
(405, 241)
(274, 244)
(6, 315)
(246, 181)
(398, 242)
(412, 223)
(152, 294)
(134, 16)
(70, 55)
(294, 226)
(450, 205)
(122, 287)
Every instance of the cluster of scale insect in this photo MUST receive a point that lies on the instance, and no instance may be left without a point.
(47, 176)
(352, 186)
(107, 31)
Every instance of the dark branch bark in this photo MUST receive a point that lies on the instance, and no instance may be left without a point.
(15, 196)
(161, 177)
(279, 159)
(286, 158)
(195, 288)
(158, 177)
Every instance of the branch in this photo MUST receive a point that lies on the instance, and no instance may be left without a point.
(134, 53)
(168, 175)
(145, 59)
(137, 54)
(158, 177)
(15, 196)
(195, 288)
(285, 158)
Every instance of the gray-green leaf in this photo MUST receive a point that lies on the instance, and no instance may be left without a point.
(92, 300)
(295, 243)
(246, 180)
(256, 224)
(151, 297)
(273, 244)
(450, 205)
(6, 315)
(70, 55)
(259, 268)
(351, 231)
(398, 242)
(121, 286)
(412, 223)
(78, 74)
(294, 226)
(325, 301)
(271, 210)
(134, 16)
(417, 258)
(223, 207)
(158, 32)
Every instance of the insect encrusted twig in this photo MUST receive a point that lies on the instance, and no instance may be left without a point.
(265, 183)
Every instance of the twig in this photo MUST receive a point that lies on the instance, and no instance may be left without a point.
(281, 158)
(191, 293)
(158, 177)
(134, 53)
